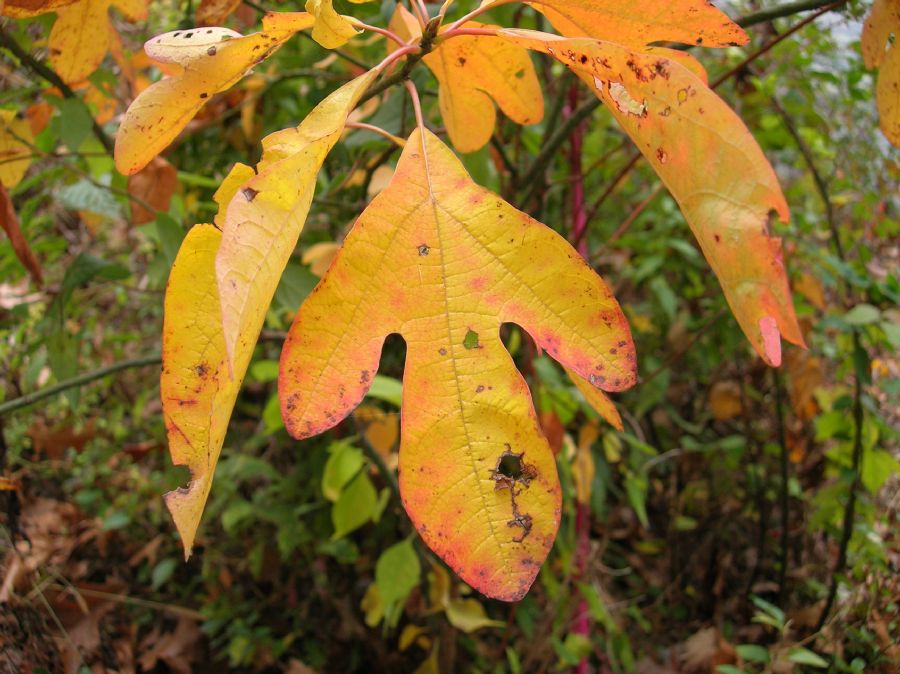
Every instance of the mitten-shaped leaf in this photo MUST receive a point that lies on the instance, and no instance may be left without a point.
(712, 166)
(266, 214)
(196, 390)
(473, 73)
(213, 60)
(444, 262)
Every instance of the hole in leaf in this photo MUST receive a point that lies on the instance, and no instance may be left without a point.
(510, 466)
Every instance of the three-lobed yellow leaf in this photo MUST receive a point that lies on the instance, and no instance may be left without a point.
(880, 52)
(444, 263)
(710, 163)
(212, 60)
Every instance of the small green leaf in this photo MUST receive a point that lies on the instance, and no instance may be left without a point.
(162, 572)
(397, 572)
(804, 656)
(753, 653)
(344, 462)
(387, 389)
(355, 506)
(862, 314)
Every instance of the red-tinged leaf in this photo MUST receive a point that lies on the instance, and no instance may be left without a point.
(215, 12)
(598, 400)
(10, 224)
(710, 163)
(266, 214)
(154, 186)
(213, 60)
(444, 263)
(196, 388)
(25, 9)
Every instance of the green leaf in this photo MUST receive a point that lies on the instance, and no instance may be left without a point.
(729, 669)
(344, 462)
(862, 314)
(397, 572)
(636, 488)
(753, 653)
(804, 656)
(387, 389)
(355, 507)
(162, 572)
(86, 196)
(75, 122)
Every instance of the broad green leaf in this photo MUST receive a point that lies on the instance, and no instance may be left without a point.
(862, 314)
(357, 504)
(804, 656)
(435, 258)
(397, 572)
(753, 653)
(163, 109)
(710, 163)
(265, 216)
(344, 462)
(196, 390)
(473, 73)
(879, 51)
(15, 150)
(640, 22)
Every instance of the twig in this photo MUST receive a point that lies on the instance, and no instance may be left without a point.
(74, 382)
(50, 75)
(783, 11)
(784, 495)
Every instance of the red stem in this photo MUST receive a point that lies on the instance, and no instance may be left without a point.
(576, 141)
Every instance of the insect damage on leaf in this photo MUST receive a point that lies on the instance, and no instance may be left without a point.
(464, 403)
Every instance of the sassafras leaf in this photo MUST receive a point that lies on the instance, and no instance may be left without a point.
(264, 218)
(436, 258)
(162, 110)
(879, 52)
(710, 163)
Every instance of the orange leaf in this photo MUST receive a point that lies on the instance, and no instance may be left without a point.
(712, 166)
(640, 22)
(444, 263)
(10, 224)
(879, 52)
(25, 9)
(154, 185)
(80, 36)
(213, 60)
(473, 73)
(215, 12)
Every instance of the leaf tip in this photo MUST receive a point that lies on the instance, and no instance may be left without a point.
(771, 340)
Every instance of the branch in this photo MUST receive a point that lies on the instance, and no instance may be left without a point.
(50, 75)
(784, 10)
(75, 382)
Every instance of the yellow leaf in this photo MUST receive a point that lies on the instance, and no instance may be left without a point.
(80, 36)
(15, 148)
(879, 52)
(473, 73)
(319, 256)
(468, 615)
(237, 176)
(381, 430)
(598, 400)
(710, 163)
(372, 605)
(266, 215)
(413, 634)
(331, 30)
(583, 470)
(196, 390)
(162, 110)
(444, 263)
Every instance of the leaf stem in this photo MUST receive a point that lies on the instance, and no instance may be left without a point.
(389, 34)
(53, 78)
(376, 129)
(417, 104)
(74, 382)
(477, 12)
